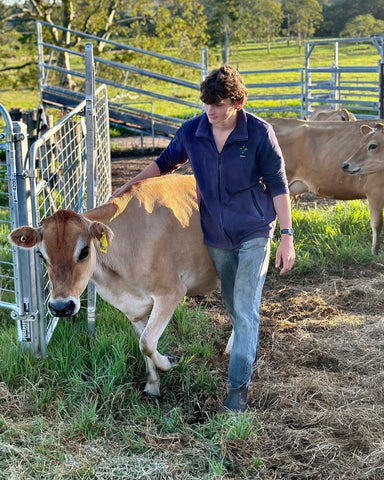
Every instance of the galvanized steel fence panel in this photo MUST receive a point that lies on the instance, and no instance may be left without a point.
(61, 156)
(8, 215)
(54, 174)
(357, 88)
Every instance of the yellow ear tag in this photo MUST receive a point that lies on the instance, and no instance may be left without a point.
(103, 243)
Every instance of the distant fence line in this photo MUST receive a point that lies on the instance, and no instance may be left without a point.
(148, 99)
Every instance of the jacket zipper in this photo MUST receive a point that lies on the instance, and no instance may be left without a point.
(219, 194)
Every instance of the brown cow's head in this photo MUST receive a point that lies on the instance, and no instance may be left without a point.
(67, 244)
(369, 158)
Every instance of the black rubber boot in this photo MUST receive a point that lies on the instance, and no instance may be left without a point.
(236, 401)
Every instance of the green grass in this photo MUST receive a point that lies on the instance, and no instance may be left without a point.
(78, 413)
(331, 237)
(86, 394)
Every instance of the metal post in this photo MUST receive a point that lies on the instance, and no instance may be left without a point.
(40, 57)
(91, 158)
(381, 89)
(27, 315)
(203, 62)
(335, 76)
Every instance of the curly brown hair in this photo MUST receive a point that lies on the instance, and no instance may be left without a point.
(221, 83)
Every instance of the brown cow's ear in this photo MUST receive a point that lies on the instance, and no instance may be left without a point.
(365, 129)
(99, 230)
(25, 237)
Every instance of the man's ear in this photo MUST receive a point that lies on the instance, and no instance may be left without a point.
(25, 237)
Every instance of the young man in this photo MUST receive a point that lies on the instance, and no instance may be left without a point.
(241, 187)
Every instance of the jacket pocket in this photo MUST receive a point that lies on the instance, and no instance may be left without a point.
(257, 205)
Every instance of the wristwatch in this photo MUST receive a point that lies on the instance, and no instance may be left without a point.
(286, 231)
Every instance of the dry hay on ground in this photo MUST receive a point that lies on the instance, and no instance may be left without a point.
(317, 390)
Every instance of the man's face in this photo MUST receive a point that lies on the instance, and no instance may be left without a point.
(220, 112)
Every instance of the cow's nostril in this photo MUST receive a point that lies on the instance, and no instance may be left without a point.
(345, 166)
(62, 308)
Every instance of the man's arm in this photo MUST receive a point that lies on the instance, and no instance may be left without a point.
(285, 253)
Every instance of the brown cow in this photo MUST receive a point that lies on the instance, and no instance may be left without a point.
(327, 114)
(156, 257)
(314, 153)
(369, 157)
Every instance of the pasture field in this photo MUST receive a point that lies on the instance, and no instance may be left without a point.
(317, 396)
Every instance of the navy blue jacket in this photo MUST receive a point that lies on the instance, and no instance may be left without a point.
(235, 187)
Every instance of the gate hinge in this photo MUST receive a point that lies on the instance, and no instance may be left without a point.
(25, 317)
(8, 137)
(28, 173)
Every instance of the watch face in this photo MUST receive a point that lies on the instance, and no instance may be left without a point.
(287, 231)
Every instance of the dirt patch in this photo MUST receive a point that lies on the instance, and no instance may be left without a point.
(317, 387)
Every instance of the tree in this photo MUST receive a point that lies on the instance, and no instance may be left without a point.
(338, 13)
(263, 19)
(225, 24)
(363, 26)
(305, 15)
(180, 24)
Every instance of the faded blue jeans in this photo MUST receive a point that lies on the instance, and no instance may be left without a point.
(242, 273)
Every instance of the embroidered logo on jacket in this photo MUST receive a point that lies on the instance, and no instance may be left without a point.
(243, 149)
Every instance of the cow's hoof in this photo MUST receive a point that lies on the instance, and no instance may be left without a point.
(173, 359)
(152, 398)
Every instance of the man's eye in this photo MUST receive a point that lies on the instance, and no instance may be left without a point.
(84, 253)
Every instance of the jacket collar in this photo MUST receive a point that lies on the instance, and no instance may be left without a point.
(240, 132)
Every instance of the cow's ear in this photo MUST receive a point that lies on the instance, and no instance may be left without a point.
(25, 237)
(379, 126)
(365, 129)
(99, 230)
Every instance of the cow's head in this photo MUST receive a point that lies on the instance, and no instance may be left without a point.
(67, 243)
(369, 158)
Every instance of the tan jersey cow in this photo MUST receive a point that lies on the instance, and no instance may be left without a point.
(156, 256)
(314, 153)
(327, 114)
(369, 157)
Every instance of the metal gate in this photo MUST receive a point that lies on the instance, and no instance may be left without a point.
(67, 167)
(357, 88)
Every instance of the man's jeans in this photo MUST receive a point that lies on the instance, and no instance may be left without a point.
(242, 272)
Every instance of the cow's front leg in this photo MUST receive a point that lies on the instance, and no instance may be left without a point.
(152, 387)
(163, 308)
(376, 219)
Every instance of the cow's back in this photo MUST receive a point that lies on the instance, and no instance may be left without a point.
(158, 238)
(314, 152)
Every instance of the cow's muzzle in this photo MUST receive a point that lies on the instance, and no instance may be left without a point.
(63, 307)
(346, 168)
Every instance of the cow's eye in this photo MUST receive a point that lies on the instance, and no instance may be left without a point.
(41, 256)
(84, 253)
(372, 146)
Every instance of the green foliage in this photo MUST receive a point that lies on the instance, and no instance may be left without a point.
(305, 16)
(363, 26)
(332, 237)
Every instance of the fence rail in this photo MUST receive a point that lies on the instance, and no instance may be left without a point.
(167, 88)
(334, 86)
(62, 76)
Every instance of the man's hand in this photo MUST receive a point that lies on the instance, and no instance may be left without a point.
(285, 254)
